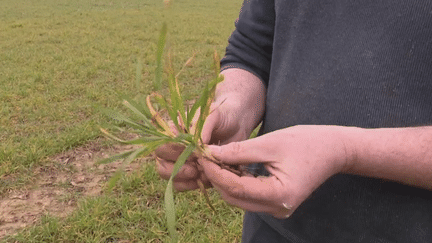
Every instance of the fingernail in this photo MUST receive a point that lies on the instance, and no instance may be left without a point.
(287, 206)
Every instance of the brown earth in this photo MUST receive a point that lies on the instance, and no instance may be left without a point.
(57, 187)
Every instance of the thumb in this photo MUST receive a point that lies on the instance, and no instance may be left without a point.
(210, 125)
(245, 152)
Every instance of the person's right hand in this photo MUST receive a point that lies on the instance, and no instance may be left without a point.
(222, 126)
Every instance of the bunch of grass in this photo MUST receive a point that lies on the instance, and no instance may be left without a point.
(153, 131)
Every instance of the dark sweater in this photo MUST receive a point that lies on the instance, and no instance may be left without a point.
(364, 63)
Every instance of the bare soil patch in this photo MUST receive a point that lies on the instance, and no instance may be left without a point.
(58, 186)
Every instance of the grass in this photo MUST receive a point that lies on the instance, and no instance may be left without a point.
(136, 214)
(61, 60)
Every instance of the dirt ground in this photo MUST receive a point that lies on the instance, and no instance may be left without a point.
(58, 186)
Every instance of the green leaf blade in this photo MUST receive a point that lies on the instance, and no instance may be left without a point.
(160, 48)
(121, 118)
(139, 110)
(115, 158)
(169, 194)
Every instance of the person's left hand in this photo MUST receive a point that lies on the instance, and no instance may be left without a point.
(299, 160)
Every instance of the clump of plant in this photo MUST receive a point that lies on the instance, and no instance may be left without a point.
(152, 131)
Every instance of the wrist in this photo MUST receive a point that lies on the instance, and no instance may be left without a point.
(397, 154)
(351, 137)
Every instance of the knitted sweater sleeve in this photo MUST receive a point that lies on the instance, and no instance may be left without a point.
(250, 45)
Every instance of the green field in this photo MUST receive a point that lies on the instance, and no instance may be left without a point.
(60, 60)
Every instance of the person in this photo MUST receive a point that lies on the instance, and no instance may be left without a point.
(344, 90)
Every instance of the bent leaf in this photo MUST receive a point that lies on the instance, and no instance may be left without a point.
(158, 119)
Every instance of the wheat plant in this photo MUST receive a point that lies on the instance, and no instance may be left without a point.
(153, 131)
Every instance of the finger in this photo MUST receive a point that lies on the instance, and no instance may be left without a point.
(187, 171)
(187, 185)
(182, 186)
(263, 189)
(210, 125)
(245, 204)
(256, 150)
(169, 151)
(186, 179)
(250, 193)
(279, 211)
